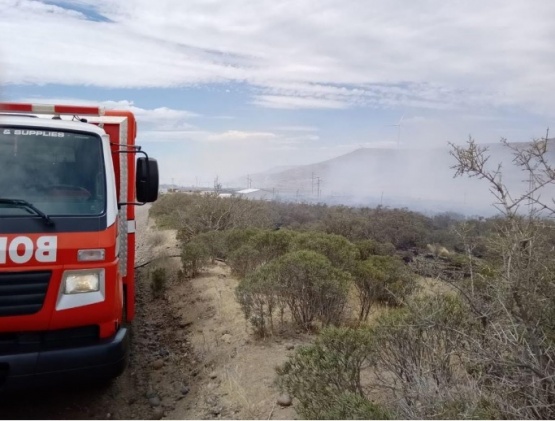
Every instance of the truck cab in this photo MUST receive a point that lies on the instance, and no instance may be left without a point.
(68, 187)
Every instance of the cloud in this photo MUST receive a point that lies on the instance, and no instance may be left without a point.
(321, 54)
(237, 135)
(292, 102)
(297, 128)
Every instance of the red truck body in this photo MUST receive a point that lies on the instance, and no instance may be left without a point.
(67, 241)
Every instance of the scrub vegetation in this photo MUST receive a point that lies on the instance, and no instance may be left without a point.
(412, 316)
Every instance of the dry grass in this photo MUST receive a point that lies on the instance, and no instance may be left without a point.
(157, 238)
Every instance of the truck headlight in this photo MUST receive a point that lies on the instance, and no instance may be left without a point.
(79, 282)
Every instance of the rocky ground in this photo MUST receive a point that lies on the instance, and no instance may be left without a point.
(192, 356)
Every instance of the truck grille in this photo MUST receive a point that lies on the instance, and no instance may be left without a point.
(22, 293)
(26, 342)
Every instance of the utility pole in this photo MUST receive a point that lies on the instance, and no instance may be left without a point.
(318, 181)
(249, 181)
(313, 183)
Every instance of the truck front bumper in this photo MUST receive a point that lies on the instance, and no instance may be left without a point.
(82, 364)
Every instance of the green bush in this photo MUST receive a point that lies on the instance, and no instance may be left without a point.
(195, 255)
(367, 248)
(340, 251)
(244, 260)
(215, 242)
(325, 377)
(273, 244)
(258, 248)
(304, 282)
(238, 237)
(311, 287)
(382, 279)
(256, 294)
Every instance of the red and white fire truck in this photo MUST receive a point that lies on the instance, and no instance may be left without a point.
(70, 177)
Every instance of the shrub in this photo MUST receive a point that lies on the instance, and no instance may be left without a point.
(273, 244)
(304, 282)
(192, 214)
(514, 298)
(340, 251)
(215, 242)
(382, 279)
(158, 278)
(258, 248)
(367, 248)
(238, 237)
(325, 377)
(311, 287)
(423, 350)
(244, 260)
(256, 294)
(195, 255)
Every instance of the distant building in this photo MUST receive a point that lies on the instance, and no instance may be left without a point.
(256, 194)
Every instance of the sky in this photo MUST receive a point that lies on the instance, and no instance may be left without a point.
(228, 88)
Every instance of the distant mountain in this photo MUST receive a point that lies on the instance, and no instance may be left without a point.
(420, 178)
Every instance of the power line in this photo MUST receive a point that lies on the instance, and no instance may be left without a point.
(319, 180)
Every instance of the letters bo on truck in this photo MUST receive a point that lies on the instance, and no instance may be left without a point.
(70, 178)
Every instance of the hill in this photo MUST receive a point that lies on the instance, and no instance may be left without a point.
(421, 179)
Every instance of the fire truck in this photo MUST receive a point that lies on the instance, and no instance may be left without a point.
(70, 177)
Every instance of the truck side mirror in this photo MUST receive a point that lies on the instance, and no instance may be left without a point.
(147, 180)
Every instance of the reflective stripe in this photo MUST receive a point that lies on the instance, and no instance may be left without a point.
(44, 108)
(131, 226)
(16, 108)
(51, 109)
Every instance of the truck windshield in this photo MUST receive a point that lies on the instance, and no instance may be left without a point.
(59, 172)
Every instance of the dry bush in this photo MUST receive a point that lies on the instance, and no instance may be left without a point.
(325, 377)
(422, 355)
(515, 351)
